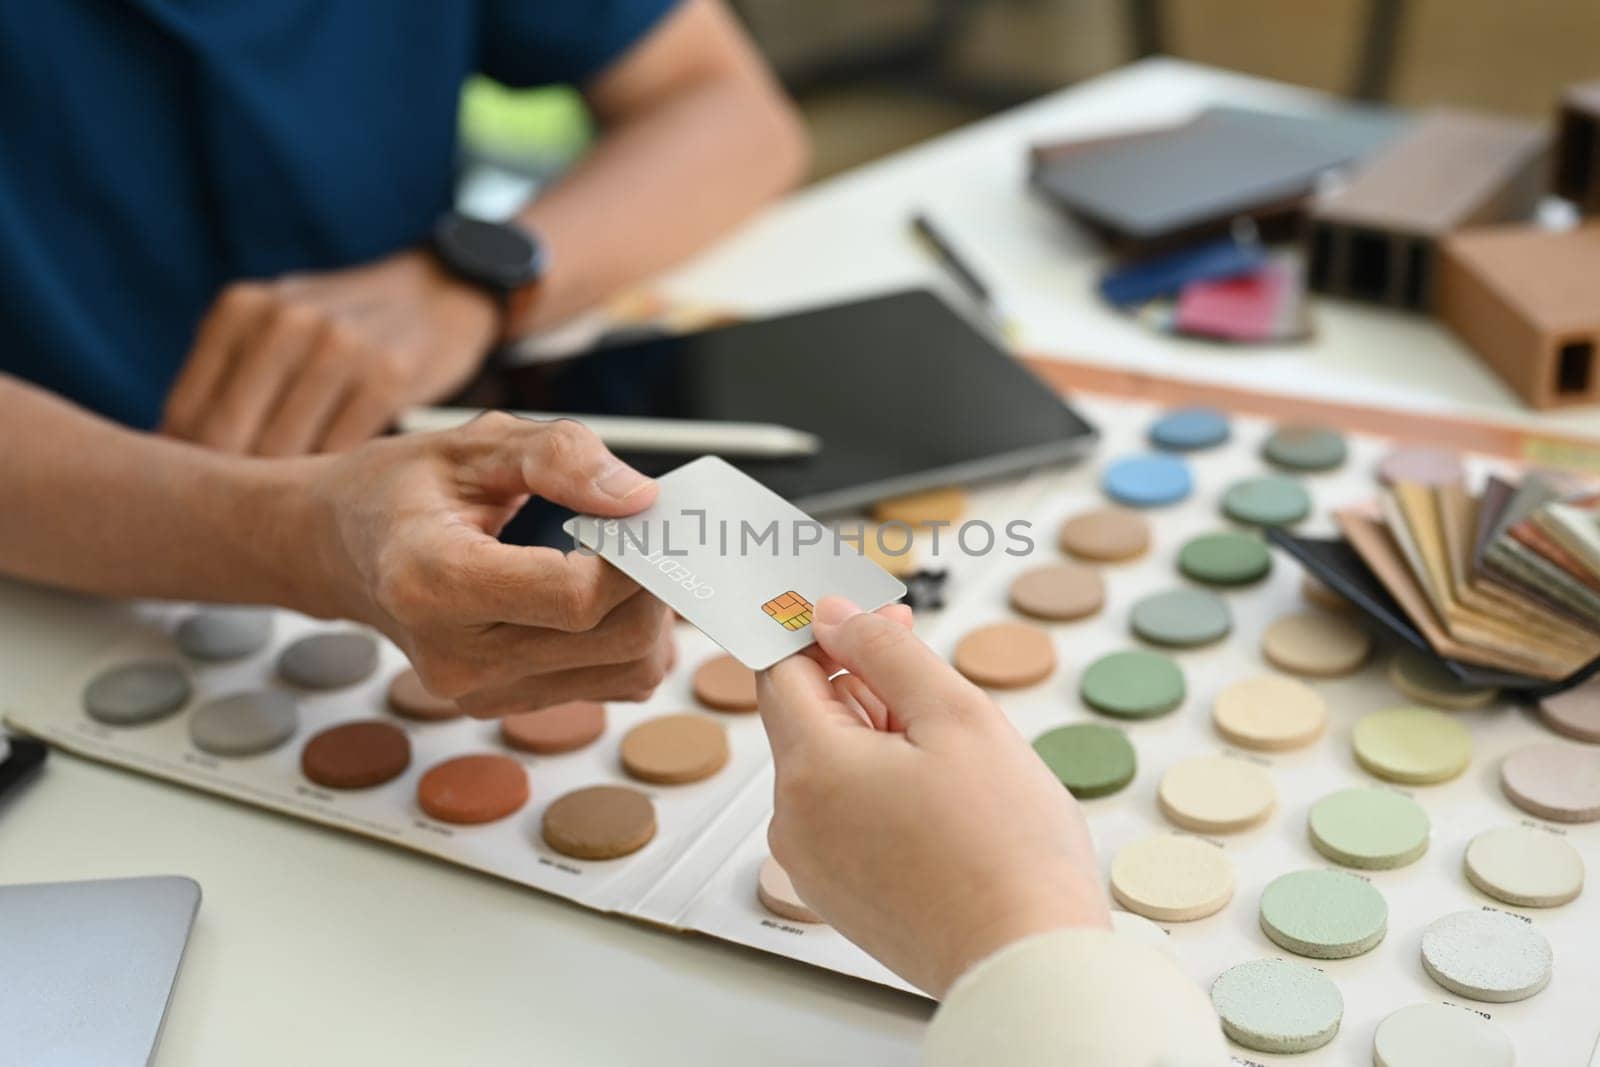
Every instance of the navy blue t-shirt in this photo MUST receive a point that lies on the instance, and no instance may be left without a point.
(151, 151)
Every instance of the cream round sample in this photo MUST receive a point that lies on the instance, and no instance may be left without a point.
(244, 724)
(1528, 867)
(1006, 655)
(1486, 955)
(1425, 680)
(1171, 878)
(1270, 713)
(1216, 794)
(218, 634)
(1575, 713)
(329, 660)
(777, 895)
(1315, 644)
(1058, 592)
(1554, 781)
(1413, 746)
(1373, 829)
(1277, 1005)
(1326, 915)
(137, 693)
(1428, 1035)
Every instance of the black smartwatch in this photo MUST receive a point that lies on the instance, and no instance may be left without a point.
(502, 258)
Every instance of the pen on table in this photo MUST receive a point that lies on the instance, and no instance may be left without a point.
(626, 433)
(960, 269)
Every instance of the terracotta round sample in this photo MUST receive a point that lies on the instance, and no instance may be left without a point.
(410, 699)
(1216, 795)
(675, 749)
(922, 509)
(218, 634)
(1319, 594)
(1421, 466)
(1189, 429)
(1270, 713)
(1305, 448)
(724, 684)
(244, 724)
(1058, 592)
(1413, 746)
(1181, 618)
(356, 755)
(777, 895)
(1269, 500)
(1575, 713)
(1486, 955)
(1147, 481)
(1005, 655)
(1315, 644)
(559, 728)
(1324, 915)
(602, 822)
(1525, 866)
(329, 660)
(1424, 679)
(1427, 1035)
(1134, 684)
(1371, 829)
(476, 788)
(1225, 558)
(1554, 781)
(1091, 760)
(1171, 878)
(1106, 535)
(136, 693)
(1277, 1006)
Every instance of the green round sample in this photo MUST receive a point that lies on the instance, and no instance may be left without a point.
(1133, 685)
(1225, 558)
(1270, 500)
(1326, 915)
(1181, 618)
(1305, 448)
(1090, 760)
(1277, 1005)
(1373, 829)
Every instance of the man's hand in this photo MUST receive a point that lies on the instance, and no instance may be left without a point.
(322, 362)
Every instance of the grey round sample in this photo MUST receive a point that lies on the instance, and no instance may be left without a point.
(1426, 1035)
(329, 660)
(1181, 618)
(137, 693)
(218, 634)
(244, 724)
(1277, 1005)
(1486, 955)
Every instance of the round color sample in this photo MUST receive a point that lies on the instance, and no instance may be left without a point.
(1091, 760)
(476, 788)
(329, 661)
(1181, 618)
(1554, 781)
(1058, 592)
(1315, 644)
(1216, 795)
(601, 822)
(1127, 924)
(356, 755)
(1486, 955)
(1189, 429)
(922, 509)
(1528, 867)
(1424, 679)
(776, 893)
(1428, 1035)
(1575, 713)
(559, 728)
(1148, 481)
(1132, 685)
(410, 699)
(1277, 1006)
(1318, 593)
(1006, 655)
(675, 749)
(1270, 713)
(137, 693)
(1413, 746)
(1171, 878)
(1326, 915)
(1305, 448)
(1368, 828)
(244, 724)
(891, 547)
(1106, 535)
(1270, 500)
(724, 684)
(219, 634)
(1420, 466)
(1225, 559)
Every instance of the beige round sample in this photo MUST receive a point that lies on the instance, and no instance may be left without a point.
(601, 822)
(1106, 535)
(1317, 592)
(922, 509)
(1216, 795)
(1058, 592)
(410, 699)
(1316, 645)
(725, 684)
(893, 548)
(1554, 781)
(1528, 867)
(675, 749)
(1424, 679)
(777, 895)
(1270, 713)
(1171, 878)
(1006, 655)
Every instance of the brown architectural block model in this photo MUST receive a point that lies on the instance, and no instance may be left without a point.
(1577, 169)
(1528, 301)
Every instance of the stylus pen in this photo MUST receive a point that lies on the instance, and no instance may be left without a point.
(975, 286)
(625, 433)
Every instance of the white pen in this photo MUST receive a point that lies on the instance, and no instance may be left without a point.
(625, 433)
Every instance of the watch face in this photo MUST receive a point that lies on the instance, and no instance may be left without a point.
(499, 254)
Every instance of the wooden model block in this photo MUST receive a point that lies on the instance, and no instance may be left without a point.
(1577, 169)
(1374, 238)
(1528, 301)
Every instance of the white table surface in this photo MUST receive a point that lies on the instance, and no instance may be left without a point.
(314, 947)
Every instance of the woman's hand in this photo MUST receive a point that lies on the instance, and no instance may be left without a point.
(909, 812)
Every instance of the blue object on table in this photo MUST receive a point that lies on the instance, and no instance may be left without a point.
(1189, 429)
(1147, 481)
(1166, 275)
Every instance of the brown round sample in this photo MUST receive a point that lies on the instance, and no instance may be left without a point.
(1006, 655)
(556, 729)
(777, 895)
(477, 788)
(724, 684)
(922, 509)
(1059, 592)
(892, 547)
(1315, 644)
(410, 699)
(675, 749)
(1317, 592)
(601, 822)
(356, 755)
(1106, 535)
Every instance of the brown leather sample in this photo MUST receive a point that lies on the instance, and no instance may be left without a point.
(1577, 163)
(1374, 239)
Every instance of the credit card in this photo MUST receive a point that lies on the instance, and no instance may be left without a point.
(737, 560)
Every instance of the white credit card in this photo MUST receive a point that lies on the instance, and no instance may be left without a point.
(737, 560)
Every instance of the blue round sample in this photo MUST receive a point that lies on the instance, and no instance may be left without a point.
(1189, 429)
(1147, 481)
